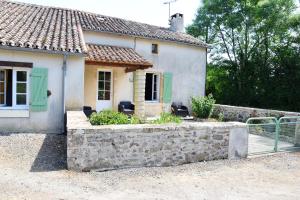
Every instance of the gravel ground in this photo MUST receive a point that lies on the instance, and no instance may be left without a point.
(32, 167)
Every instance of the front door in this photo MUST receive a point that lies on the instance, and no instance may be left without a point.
(104, 92)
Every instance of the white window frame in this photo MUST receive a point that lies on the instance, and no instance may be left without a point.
(4, 92)
(111, 84)
(157, 87)
(15, 82)
(14, 88)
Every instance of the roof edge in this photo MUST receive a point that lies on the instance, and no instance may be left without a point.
(24, 49)
(107, 45)
(92, 62)
(151, 38)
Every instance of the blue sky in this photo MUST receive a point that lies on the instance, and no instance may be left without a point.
(147, 11)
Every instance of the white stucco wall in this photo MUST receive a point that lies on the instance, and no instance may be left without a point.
(122, 85)
(74, 83)
(187, 63)
(52, 120)
(108, 39)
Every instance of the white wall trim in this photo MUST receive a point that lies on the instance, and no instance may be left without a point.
(14, 113)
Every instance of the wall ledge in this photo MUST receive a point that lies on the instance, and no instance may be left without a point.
(14, 113)
(78, 120)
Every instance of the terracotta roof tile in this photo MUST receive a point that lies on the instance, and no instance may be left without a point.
(115, 55)
(101, 23)
(60, 29)
(40, 27)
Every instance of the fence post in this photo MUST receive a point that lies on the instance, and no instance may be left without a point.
(277, 134)
(297, 133)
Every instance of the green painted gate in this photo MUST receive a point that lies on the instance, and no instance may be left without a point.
(269, 134)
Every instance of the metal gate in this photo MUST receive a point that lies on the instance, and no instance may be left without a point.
(269, 134)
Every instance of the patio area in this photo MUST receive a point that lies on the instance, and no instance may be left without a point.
(260, 144)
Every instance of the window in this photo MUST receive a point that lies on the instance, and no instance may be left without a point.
(155, 48)
(104, 85)
(21, 85)
(14, 87)
(2, 87)
(152, 87)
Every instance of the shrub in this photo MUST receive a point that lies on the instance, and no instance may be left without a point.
(135, 120)
(218, 115)
(202, 106)
(221, 117)
(107, 117)
(167, 118)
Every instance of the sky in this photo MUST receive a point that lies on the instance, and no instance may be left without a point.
(153, 12)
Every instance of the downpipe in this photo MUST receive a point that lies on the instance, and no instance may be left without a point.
(64, 74)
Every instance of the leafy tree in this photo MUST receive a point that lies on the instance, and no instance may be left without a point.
(254, 51)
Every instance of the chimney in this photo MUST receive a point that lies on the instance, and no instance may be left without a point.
(176, 22)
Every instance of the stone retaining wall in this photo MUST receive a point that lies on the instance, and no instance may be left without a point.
(123, 146)
(241, 114)
(288, 132)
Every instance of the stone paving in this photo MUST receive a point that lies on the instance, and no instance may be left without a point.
(260, 144)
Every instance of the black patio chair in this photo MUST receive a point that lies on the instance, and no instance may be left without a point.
(179, 110)
(126, 107)
(88, 111)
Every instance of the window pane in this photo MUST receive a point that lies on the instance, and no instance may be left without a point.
(21, 87)
(1, 87)
(1, 98)
(2, 75)
(100, 95)
(155, 79)
(155, 96)
(107, 95)
(21, 99)
(101, 85)
(107, 85)
(101, 75)
(107, 76)
(22, 76)
(154, 48)
(148, 87)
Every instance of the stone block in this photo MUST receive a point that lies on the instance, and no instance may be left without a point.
(238, 143)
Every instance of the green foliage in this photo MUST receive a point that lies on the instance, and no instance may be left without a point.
(217, 80)
(255, 54)
(135, 120)
(218, 115)
(202, 106)
(221, 117)
(108, 117)
(167, 118)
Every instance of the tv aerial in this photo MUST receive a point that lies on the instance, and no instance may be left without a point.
(169, 3)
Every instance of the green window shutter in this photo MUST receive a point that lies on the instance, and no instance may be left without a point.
(167, 97)
(38, 89)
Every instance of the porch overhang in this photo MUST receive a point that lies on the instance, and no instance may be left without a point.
(115, 56)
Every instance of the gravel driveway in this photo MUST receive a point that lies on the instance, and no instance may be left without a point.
(32, 167)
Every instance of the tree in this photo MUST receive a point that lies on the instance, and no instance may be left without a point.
(246, 38)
